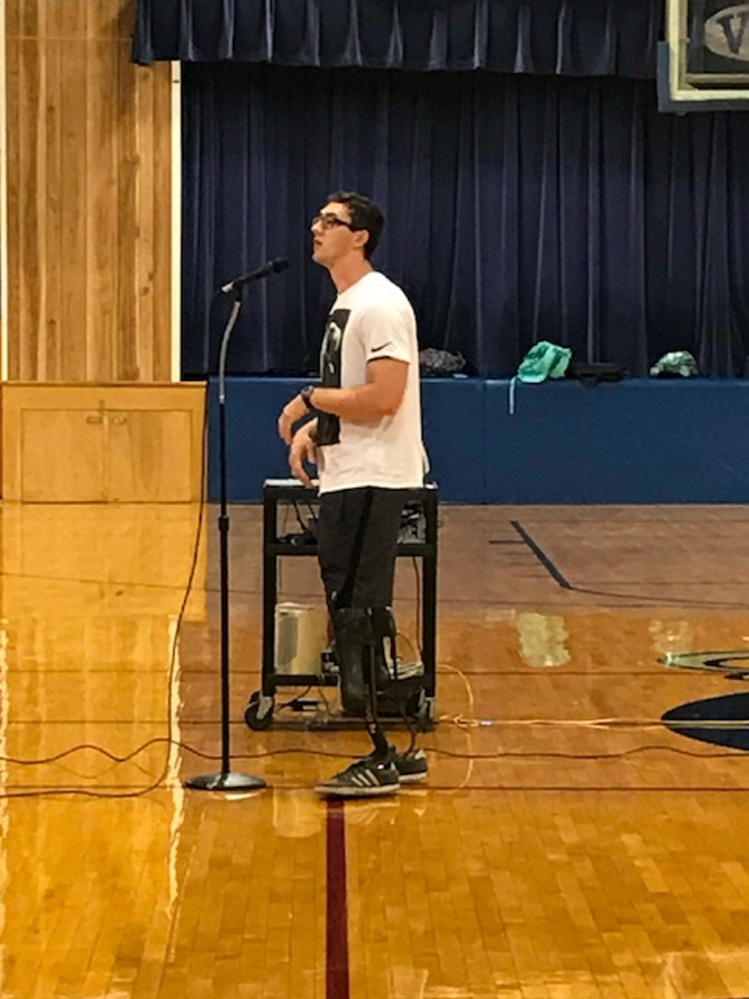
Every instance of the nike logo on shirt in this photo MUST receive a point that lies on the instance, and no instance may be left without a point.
(382, 346)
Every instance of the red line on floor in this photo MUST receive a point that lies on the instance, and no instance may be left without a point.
(337, 973)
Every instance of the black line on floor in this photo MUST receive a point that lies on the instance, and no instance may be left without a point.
(643, 599)
(541, 555)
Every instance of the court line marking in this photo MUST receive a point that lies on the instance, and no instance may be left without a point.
(336, 933)
(542, 557)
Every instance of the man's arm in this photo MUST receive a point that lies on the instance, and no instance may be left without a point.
(381, 395)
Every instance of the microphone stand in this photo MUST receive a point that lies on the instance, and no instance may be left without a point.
(226, 780)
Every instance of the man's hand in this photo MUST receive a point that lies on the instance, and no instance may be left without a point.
(302, 449)
(291, 414)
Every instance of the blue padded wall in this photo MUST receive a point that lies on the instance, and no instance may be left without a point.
(636, 441)
(455, 437)
(254, 450)
(453, 419)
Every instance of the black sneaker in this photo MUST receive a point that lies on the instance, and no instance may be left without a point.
(368, 778)
(411, 766)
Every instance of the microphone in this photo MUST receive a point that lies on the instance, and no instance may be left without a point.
(272, 267)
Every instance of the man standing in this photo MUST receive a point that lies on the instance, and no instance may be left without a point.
(363, 430)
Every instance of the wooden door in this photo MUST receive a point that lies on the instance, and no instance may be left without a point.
(147, 457)
(62, 454)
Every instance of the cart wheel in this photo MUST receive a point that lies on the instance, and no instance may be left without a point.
(259, 712)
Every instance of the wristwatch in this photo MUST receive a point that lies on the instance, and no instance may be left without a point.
(306, 395)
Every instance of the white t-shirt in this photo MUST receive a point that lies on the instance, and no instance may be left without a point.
(371, 319)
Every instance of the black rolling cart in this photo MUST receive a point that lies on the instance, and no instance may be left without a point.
(418, 538)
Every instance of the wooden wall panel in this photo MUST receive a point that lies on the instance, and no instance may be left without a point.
(89, 204)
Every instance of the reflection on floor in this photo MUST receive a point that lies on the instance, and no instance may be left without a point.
(567, 844)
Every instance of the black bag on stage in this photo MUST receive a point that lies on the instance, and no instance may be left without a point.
(594, 372)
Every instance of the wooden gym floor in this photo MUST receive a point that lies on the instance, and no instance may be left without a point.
(566, 846)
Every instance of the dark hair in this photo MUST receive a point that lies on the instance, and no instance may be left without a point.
(364, 215)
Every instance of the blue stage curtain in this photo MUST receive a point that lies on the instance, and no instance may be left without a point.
(519, 209)
(567, 37)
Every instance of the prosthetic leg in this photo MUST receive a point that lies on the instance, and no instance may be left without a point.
(361, 636)
(366, 682)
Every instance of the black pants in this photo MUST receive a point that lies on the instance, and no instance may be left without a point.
(367, 518)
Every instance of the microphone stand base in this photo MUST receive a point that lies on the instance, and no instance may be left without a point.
(225, 782)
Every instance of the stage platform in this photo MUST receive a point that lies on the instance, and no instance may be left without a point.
(636, 441)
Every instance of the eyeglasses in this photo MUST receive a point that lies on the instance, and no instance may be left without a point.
(329, 221)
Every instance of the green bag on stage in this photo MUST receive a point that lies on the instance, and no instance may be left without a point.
(676, 364)
(544, 360)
